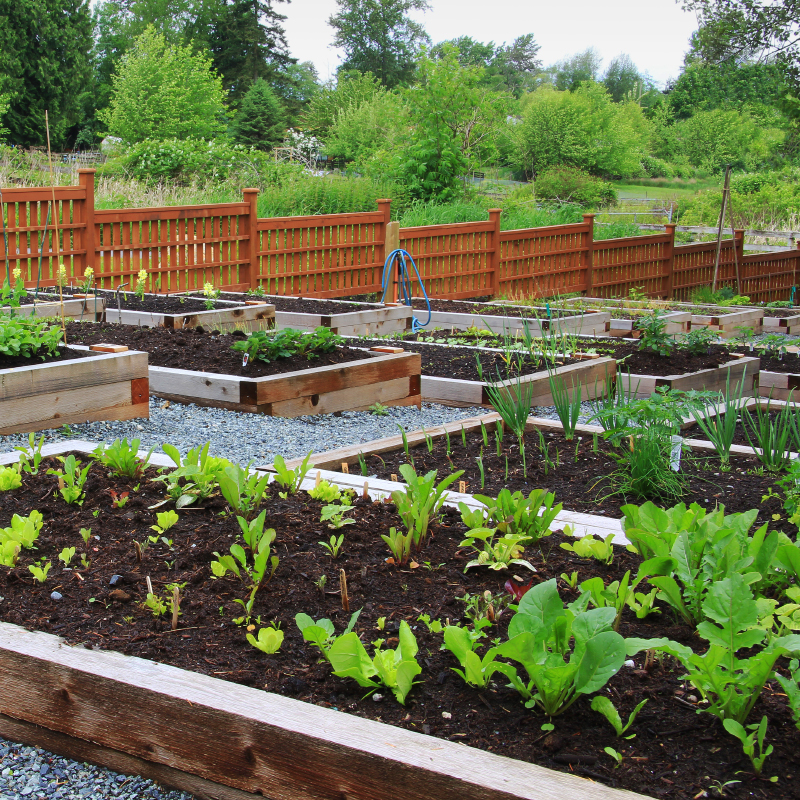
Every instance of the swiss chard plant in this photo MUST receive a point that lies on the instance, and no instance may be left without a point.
(495, 552)
(71, 479)
(195, 477)
(243, 490)
(291, 479)
(730, 685)
(514, 514)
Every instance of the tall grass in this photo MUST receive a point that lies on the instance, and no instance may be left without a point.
(514, 216)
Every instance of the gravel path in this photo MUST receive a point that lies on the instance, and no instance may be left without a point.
(245, 437)
(35, 774)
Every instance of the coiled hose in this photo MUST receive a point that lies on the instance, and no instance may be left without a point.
(399, 257)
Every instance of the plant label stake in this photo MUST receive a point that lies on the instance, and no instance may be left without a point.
(343, 589)
(345, 468)
(176, 606)
(393, 478)
(365, 494)
(318, 480)
(462, 487)
(149, 585)
(245, 359)
(675, 453)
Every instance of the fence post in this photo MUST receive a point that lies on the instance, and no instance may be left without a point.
(493, 256)
(248, 271)
(669, 284)
(391, 243)
(86, 181)
(588, 220)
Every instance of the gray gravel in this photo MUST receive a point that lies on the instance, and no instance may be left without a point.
(245, 437)
(35, 774)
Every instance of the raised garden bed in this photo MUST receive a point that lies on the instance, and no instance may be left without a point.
(344, 318)
(311, 735)
(782, 320)
(726, 321)
(504, 317)
(177, 311)
(192, 366)
(450, 375)
(81, 308)
(80, 387)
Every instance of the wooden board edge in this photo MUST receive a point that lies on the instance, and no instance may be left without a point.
(27, 733)
(251, 739)
(110, 414)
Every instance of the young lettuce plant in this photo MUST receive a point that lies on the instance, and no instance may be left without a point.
(291, 479)
(513, 514)
(22, 533)
(31, 456)
(731, 685)
(394, 669)
(421, 500)
(589, 547)
(71, 479)
(199, 472)
(123, 459)
(9, 479)
(495, 554)
(269, 639)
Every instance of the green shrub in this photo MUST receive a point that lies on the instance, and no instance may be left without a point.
(569, 184)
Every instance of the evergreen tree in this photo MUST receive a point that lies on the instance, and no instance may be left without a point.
(261, 119)
(44, 65)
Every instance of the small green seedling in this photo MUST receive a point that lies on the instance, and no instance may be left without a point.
(571, 580)
(269, 639)
(334, 515)
(589, 547)
(604, 706)
(749, 740)
(165, 521)
(335, 545)
(40, 572)
(433, 626)
(617, 756)
(66, 555)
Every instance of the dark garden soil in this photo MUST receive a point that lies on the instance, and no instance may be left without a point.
(196, 349)
(790, 363)
(300, 305)
(64, 354)
(580, 482)
(476, 308)
(676, 752)
(461, 362)
(782, 313)
(164, 304)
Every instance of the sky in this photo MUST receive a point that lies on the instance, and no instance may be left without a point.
(655, 33)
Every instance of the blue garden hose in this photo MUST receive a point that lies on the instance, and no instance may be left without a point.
(404, 283)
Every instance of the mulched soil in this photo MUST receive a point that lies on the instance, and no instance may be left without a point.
(166, 304)
(781, 313)
(64, 354)
(581, 482)
(300, 305)
(676, 752)
(461, 362)
(467, 307)
(196, 349)
(646, 362)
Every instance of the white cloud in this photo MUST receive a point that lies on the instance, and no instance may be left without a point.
(655, 33)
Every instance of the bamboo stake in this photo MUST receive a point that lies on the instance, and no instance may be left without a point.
(725, 192)
(343, 590)
(60, 266)
(176, 606)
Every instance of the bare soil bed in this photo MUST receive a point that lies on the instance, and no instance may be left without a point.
(302, 305)
(195, 349)
(790, 363)
(64, 354)
(676, 752)
(487, 309)
(164, 304)
(580, 478)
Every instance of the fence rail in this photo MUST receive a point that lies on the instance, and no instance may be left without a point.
(183, 247)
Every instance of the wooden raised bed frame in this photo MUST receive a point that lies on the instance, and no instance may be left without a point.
(589, 375)
(236, 317)
(111, 386)
(593, 323)
(223, 741)
(789, 325)
(714, 379)
(392, 380)
(77, 308)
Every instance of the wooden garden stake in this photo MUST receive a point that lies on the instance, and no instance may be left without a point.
(393, 477)
(149, 585)
(56, 241)
(343, 589)
(345, 468)
(462, 487)
(365, 494)
(176, 606)
(319, 479)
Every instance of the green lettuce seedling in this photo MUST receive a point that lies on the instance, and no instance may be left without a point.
(9, 479)
(269, 640)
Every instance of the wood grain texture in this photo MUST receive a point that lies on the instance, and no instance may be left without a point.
(40, 379)
(251, 740)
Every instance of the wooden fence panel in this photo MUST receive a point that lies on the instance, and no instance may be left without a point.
(181, 247)
(694, 267)
(642, 263)
(30, 223)
(454, 261)
(544, 262)
(332, 255)
(769, 276)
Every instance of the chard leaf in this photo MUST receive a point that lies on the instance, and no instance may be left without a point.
(603, 656)
(730, 604)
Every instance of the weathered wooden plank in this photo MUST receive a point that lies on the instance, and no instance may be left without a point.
(83, 751)
(59, 376)
(195, 385)
(252, 740)
(334, 377)
(389, 392)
